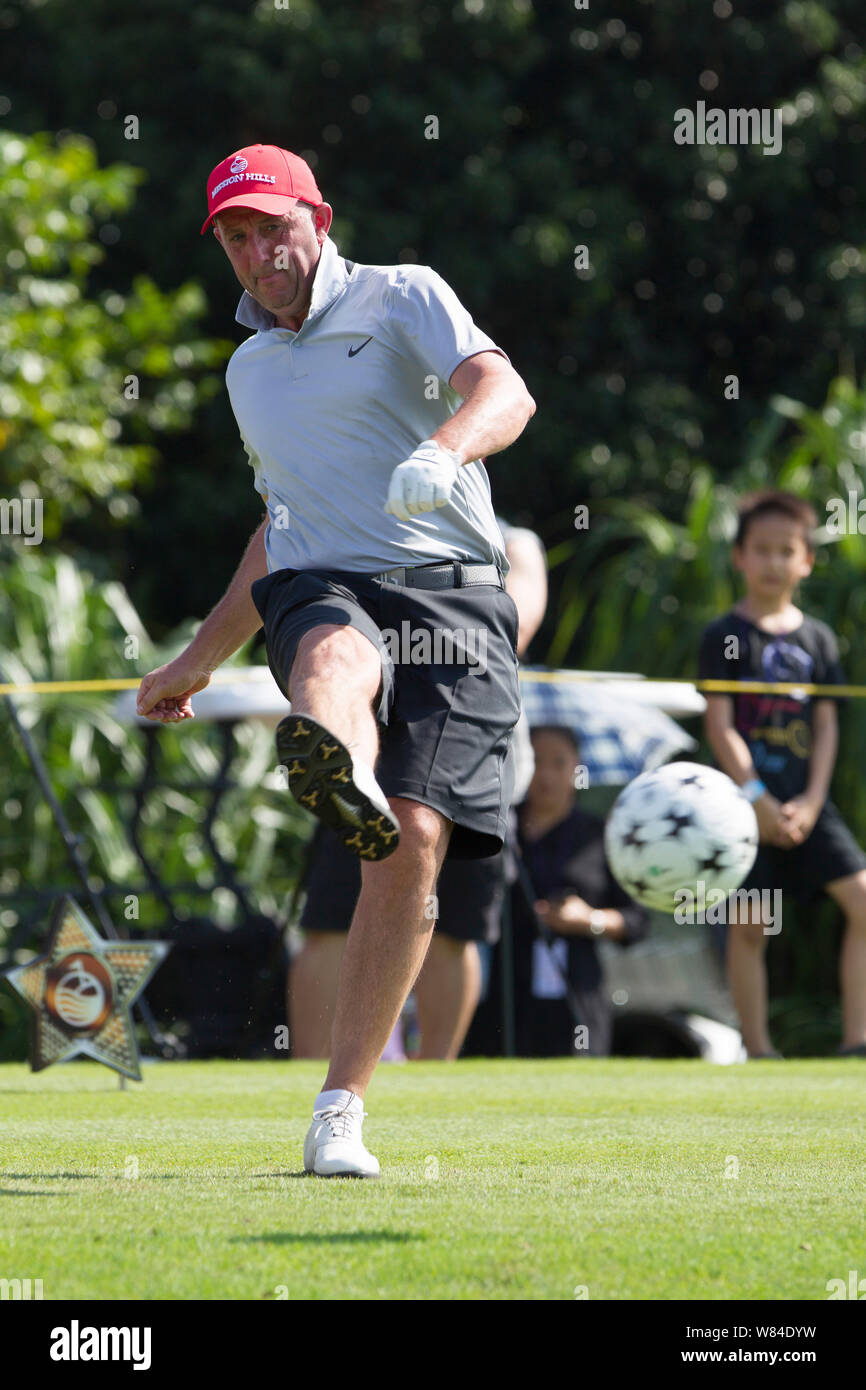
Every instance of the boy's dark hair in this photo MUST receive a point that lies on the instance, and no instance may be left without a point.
(770, 503)
(562, 729)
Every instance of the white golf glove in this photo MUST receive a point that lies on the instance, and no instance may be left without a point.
(423, 482)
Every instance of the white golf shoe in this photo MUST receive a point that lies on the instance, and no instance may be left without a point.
(333, 1147)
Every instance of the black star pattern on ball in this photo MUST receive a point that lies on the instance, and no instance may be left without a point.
(693, 780)
(632, 837)
(713, 861)
(635, 886)
(679, 821)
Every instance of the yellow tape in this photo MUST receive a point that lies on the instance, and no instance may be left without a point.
(711, 687)
(84, 687)
(556, 677)
(776, 688)
(66, 687)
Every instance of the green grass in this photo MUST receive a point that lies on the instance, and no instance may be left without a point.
(499, 1180)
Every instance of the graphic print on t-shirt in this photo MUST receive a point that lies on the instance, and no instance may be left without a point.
(775, 739)
(777, 728)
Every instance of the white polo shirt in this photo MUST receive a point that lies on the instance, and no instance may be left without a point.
(327, 413)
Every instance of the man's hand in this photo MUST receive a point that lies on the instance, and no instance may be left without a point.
(569, 915)
(799, 816)
(164, 693)
(423, 482)
(773, 828)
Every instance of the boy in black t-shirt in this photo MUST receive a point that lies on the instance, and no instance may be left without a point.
(782, 749)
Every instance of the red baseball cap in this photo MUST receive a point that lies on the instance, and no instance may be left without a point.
(262, 177)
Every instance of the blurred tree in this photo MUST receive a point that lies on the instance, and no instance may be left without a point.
(87, 383)
(555, 131)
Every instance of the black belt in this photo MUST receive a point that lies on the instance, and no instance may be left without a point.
(453, 575)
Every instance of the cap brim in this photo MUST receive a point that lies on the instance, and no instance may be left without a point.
(258, 202)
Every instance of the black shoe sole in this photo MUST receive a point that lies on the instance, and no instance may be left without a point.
(319, 770)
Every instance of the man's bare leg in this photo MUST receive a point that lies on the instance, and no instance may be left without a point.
(387, 943)
(313, 979)
(447, 993)
(335, 677)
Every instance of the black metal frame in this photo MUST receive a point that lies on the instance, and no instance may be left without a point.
(98, 896)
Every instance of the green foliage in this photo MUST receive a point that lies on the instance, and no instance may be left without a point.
(555, 130)
(639, 587)
(61, 624)
(88, 383)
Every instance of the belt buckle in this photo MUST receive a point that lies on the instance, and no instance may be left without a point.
(395, 576)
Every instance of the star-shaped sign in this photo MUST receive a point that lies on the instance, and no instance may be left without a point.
(82, 990)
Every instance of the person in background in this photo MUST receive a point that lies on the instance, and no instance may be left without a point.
(577, 899)
(781, 749)
(469, 893)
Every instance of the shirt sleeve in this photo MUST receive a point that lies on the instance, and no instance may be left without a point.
(518, 533)
(713, 664)
(829, 669)
(255, 464)
(636, 919)
(430, 320)
(587, 873)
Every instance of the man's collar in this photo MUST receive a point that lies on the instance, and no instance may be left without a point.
(329, 282)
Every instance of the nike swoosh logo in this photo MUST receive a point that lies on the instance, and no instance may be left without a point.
(353, 351)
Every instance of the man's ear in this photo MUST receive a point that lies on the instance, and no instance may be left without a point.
(322, 218)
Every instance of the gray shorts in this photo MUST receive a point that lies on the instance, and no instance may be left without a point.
(449, 695)
(469, 893)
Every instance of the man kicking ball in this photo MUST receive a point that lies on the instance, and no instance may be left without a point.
(365, 399)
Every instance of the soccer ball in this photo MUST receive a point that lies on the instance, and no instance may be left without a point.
(676, 828)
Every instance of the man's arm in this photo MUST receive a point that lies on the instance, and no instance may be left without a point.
(526, 582)
(570, 914)
(164, 694)
(496, 408)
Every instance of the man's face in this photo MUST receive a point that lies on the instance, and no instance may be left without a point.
(555, 761)
(275, 256)
(774, 556)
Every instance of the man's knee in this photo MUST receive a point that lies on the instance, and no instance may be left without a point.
(422, 828)
(337, 652)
